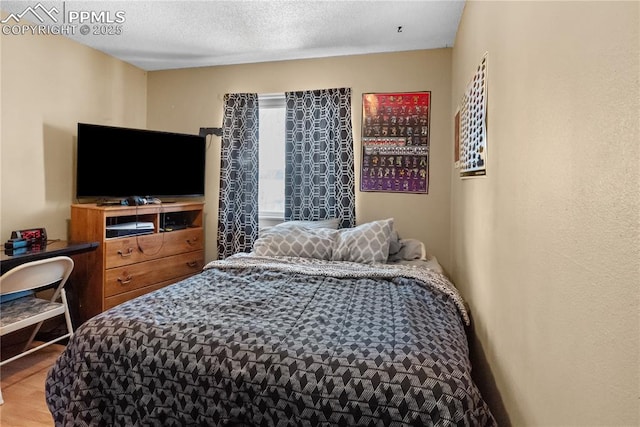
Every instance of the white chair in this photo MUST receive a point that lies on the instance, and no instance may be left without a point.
(31, 310)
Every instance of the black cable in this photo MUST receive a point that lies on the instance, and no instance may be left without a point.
(161, 211)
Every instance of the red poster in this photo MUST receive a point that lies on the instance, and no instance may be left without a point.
(395, 142)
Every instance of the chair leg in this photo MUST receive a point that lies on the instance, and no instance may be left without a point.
(67, 317)
(32, 337)
(67, 314)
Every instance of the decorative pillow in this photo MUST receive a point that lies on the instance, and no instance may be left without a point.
(366, 243)
(296, 241)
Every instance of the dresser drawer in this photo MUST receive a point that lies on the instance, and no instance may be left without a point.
(126, 296)
(136, 276)
(131, 250)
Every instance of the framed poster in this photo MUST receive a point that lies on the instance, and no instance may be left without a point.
(395, 142)
(456, 139)
(473, 124)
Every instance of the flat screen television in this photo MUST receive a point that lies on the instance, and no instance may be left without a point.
(117, 162)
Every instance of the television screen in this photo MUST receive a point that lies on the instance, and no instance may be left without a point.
(115, 162)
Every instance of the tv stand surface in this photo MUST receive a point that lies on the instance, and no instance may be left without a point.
(109, 203)
(125, 267)
(147, 200)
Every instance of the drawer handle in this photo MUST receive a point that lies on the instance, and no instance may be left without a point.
(192, 242)
(126, 280)
(126, 254)
(192, 264)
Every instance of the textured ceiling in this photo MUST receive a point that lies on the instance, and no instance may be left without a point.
(157, 35)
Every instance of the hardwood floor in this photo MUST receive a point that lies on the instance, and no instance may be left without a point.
(22, 383)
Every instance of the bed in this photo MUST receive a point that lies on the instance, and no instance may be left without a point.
(279, 340)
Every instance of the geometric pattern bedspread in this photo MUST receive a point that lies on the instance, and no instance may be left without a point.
(258, 345)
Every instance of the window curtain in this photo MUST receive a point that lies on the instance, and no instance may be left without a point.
(319, 170)
(238, 205)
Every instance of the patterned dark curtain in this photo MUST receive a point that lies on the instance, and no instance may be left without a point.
(238, 211)
(319, 171)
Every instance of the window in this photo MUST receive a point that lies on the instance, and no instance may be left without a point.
(271, 156)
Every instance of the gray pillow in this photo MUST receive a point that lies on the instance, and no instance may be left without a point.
(366, 243)
(296, 240)
(394, 243)
(332, 223)
(410, 249)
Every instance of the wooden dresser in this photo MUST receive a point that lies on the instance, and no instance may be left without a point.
(127, 266)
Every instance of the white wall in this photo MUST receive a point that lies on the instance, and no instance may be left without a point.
(185, 100)
(49, 84)
(545, 248)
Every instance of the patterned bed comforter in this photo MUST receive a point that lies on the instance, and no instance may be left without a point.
(265, 342)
